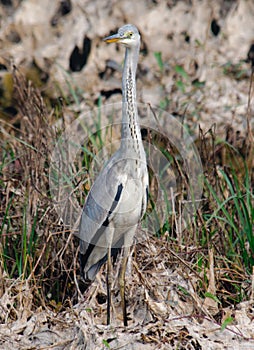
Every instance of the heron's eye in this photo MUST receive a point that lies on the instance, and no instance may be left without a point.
(130, 35)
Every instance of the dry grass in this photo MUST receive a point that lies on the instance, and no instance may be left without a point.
(195, 279)
(34, 246)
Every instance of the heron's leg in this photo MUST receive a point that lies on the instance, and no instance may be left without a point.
(109, 284)
(122, 284)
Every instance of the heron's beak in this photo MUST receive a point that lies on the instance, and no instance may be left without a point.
(112, 38)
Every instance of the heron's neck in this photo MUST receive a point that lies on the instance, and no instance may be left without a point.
(131, 135)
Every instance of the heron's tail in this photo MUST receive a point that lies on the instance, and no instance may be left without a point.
(88, 277)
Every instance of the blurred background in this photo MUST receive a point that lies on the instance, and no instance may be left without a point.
(58, 44)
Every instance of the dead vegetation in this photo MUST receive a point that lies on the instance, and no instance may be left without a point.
(189, 289)
(175, 282)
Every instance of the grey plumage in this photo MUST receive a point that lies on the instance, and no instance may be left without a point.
(118, 198)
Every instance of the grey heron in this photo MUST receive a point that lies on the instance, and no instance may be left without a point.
(117, 200)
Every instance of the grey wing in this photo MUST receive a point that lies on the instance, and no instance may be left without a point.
(94, 225)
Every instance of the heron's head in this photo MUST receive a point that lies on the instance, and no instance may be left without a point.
(127, 35)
